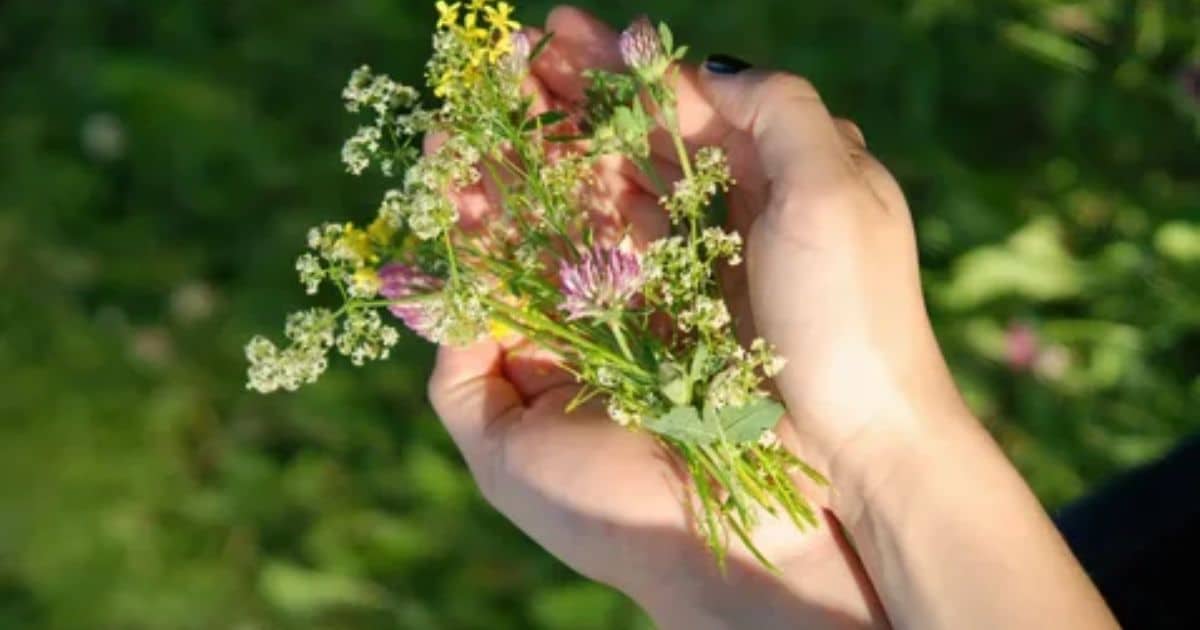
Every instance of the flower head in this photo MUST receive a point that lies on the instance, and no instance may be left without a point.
(640, 45)
(399, 282)
(604, 281)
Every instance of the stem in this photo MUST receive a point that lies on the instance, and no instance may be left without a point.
(615, 326)
(545, 325)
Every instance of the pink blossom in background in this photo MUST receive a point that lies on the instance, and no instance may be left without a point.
(1020, 346)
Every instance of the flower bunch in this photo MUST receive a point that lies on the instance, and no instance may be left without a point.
(540, 268)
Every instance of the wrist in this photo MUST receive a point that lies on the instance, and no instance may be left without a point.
(891, 461)
(820, 584)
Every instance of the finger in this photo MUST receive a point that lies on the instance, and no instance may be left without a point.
(580, 42)
(885, 187)
(633, 210)
(797, 141)
(851, 133)
(471, 396)
(533, 370)
(699, 122)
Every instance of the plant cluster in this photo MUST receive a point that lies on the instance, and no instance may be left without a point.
(646, 331)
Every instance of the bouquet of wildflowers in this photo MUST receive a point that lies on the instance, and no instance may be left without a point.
(645, 331)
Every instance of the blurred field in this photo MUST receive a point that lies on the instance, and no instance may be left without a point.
(162, 158)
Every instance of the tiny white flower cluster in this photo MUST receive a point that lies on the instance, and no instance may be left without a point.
(424, 202)
(361, 148)
(311, 272)
(300, 363)
(312, 333)
(742, 379)
(673, 272)
(377, 92)
(397, 113)
(691, 195)
(719, 243)
(365, 337)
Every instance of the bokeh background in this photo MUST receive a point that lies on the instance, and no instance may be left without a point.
(160, 161)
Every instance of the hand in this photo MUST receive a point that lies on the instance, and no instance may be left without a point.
(608, 502)
(950, 534)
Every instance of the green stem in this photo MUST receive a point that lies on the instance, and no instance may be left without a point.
(615, 326)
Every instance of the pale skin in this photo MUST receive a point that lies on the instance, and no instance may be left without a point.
(946, 534)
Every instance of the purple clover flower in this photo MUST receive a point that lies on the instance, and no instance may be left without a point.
(640, 45)
(397, 282)
(602, 282)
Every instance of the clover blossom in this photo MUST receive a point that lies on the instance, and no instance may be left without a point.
(604, 281)
(401, 282)
(640, 46)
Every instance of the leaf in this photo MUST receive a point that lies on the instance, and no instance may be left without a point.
(748, 422)
(683, 424)
(545, 119)
(668, 40)
(541, 45)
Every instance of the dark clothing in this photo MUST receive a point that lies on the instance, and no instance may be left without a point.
(1139, 539)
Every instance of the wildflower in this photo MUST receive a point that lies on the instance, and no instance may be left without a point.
(517, 61)
(363, 283)
(361, 148)
(640, 45)
(311, 273)
(354, 246)
(500, 19)
(447, 14)
(603, 282)
(365, 337)
(401, 282)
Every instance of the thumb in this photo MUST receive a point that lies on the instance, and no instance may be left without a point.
(473, 399)
(796, 140)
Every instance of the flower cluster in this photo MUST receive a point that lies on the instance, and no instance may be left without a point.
(492, 232)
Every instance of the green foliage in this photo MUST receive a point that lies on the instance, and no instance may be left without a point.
(161, 157)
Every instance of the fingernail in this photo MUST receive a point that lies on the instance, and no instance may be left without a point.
(724, 64)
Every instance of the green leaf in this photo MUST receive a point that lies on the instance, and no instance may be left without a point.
(684, 424)
(668, 40)
(545, 119)
(541, 45)
(748, 422)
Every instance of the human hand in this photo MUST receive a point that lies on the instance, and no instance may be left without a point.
(609, 502)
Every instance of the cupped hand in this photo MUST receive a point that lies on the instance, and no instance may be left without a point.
(609, 502)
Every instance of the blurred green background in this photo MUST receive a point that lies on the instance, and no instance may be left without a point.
(162, 158)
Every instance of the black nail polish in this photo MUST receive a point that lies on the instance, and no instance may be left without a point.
(724, 64)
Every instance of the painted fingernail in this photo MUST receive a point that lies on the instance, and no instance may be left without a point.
(724, 64)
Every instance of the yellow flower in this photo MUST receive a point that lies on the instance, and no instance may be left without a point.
(477, 4)
(471, 30)
(500, 331)
(365, 281)
(356, 245)
(500, 18)
(380, 231)
(447, 14)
